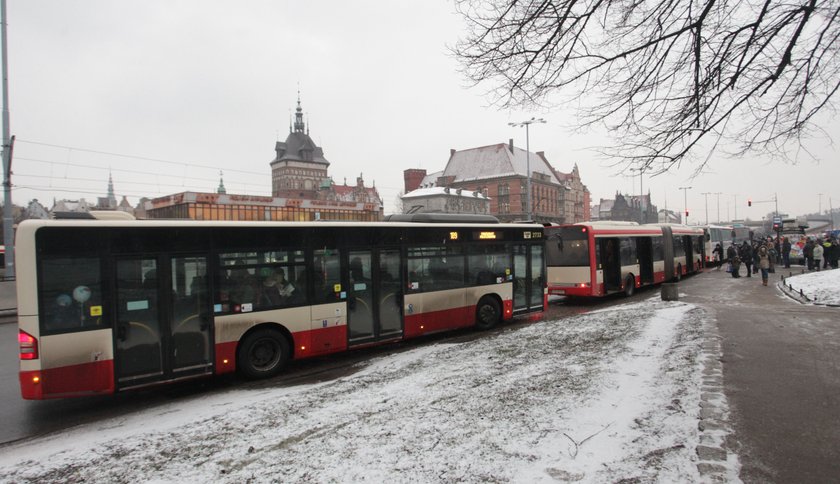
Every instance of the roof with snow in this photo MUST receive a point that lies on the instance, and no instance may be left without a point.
(496, 161)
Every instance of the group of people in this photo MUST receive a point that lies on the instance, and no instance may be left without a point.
(821, 253)
(763, 255)
(756, 256)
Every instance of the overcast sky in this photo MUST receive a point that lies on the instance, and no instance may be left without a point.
(165, 94)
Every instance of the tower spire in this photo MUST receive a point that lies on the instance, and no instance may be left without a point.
(112, 198)
(299, 124)
(221, 190)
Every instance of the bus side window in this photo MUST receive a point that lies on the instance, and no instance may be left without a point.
(70, 294)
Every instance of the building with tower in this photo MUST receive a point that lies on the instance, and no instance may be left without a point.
(301, 190)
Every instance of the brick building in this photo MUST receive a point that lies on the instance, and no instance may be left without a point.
(499, 172)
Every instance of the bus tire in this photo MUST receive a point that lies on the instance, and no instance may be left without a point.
(488, 313)
(262, 354)
(629, 285)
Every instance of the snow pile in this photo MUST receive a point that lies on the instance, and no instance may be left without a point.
(608, 396)
(821, 287)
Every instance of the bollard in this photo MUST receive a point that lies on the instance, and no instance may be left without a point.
(670, 291)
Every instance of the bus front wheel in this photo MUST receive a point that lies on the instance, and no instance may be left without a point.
(262, 354)
(487, 313)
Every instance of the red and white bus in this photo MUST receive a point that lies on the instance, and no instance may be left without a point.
(106, 306)
(602, 258)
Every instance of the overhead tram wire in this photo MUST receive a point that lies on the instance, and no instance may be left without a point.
(135, 157)
(123, 170)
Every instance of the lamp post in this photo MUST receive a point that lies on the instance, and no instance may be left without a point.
(527, 124)
(706, 196)
(685, 201)
(8, 230)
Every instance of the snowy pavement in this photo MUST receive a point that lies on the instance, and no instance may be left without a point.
(612, 395)
(821, 287)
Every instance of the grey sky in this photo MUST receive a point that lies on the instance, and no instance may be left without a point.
(210, 85)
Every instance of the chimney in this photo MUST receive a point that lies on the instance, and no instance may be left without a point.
(412, 178)
(511, 145)
(452, 152)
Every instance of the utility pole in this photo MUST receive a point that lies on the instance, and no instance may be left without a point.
(718, 194)
(706, 196)
(820, 211)
(8, 220)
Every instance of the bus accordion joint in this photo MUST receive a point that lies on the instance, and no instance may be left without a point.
(28, 346)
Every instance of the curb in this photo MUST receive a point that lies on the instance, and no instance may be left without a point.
(800, 297)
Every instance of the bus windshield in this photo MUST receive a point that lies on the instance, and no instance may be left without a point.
(568, 247)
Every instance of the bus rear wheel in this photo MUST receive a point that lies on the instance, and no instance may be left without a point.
(262, 354)
(488, 313)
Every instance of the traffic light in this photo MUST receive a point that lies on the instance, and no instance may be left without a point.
(749, 202)
(686, 213)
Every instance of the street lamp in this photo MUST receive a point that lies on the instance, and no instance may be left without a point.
(685, 201)
(706, 195)
(527, 124)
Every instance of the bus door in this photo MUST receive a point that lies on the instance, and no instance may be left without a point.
(374, 295)
(528, 276)
(668, 253)
(644, 252)
(164, 321)
(609, 262)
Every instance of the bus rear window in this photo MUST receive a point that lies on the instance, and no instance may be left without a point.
(568, 247)
(70, 294)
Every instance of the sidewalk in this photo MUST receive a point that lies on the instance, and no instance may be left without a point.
(780, 360)
(8, 298)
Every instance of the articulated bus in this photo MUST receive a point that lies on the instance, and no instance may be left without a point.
(595, 259)
(106, 306)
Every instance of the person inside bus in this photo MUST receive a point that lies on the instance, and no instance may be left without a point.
(275, 290)
(241, 284)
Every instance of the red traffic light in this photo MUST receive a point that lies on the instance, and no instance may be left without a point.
(749, 202)
(686, 213)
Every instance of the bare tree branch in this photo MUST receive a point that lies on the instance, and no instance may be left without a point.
(659, 76)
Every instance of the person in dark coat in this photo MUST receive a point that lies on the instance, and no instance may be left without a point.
(746, 255)
(786, 252)
(717, 253)
(808, 252)
(734, 261)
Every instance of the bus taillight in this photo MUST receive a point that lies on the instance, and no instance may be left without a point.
(28, 346)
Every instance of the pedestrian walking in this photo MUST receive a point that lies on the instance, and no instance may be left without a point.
(826, 253)
(808, 252)
(717, 253)
(771, 250)
(764, 263)
(786, 247)
(733, 261)
(746, 255)
(817, 255)
(835, 253)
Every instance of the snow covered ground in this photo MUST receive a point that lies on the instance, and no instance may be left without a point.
(822, 287)
(612, 395)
